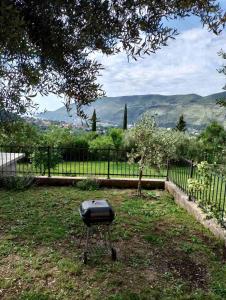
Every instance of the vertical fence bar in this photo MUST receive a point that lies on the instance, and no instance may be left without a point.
(167, 170)
(192, 169)
(87, 162)
(79, 160)
(49, 160)
(70, 158)
(223, 209)
(190, 176)
(216, 193)
(90, 162)
(109, 163)
(220, 194)
(2, 159)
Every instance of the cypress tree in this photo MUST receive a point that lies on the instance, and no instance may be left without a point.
(125, 118)
(94, 121)
(181, 124)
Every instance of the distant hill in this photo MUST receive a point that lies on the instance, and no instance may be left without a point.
(198, 111)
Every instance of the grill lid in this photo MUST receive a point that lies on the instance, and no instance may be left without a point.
(96, 204)
(96, 211)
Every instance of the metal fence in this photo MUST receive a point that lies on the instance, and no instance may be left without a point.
(212, 199)
(59, 161)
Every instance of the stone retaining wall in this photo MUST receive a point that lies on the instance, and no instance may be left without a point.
(183, 200)
(104, 182)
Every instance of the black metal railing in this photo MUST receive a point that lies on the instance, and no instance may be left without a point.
(62, 161)
(212, 198)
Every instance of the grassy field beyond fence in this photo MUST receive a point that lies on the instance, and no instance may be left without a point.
(92, 168)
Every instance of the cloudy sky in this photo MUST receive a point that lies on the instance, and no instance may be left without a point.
(187, 65)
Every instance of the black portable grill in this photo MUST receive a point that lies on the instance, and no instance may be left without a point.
(97, 212)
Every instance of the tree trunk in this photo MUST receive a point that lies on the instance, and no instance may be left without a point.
(139, 183)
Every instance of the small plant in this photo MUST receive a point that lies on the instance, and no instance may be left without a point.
(202, 182)
(153, 146)
(153, 195)
(90, 184)
(44, 159)
(18, 183)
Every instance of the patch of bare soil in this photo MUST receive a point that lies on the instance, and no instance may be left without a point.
(154, 262)
(195, 274)
(170, 259)
(183, 266)
(213, 244)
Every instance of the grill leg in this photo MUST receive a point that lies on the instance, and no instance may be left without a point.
(87, 238)
(109, 237)
(85, 254)
(113, 251)
(105, 239)
(82, 236)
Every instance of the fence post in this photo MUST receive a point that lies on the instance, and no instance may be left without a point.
(192, 169)
(167, 170)
(49, 158)
(108, 164)
(190, 176)
(2, 169)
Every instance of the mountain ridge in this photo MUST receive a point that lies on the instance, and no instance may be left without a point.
(198, 110)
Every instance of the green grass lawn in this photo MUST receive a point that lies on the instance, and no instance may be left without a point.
(163, 253)
(95, 168)
(213, 198)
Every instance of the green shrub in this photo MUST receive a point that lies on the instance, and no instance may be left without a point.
(43, 160)
(75, 149)
(117, 135)
(89, 184)
(99, 148)
(16, 182)
(102, 142)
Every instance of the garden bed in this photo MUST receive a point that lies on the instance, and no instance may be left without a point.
(163, 252)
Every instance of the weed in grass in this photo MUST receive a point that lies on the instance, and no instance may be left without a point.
(220, 290)
(6, 247)
(17, 183)
(154, 239)
(35, 296)
(153, 195)
(136, 260)
(151, 295)
(69, 266)
(141, 208)
(90, 184)
(196, 240)
(187, 248)
(168, 275)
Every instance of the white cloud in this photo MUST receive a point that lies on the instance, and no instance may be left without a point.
(187, 65)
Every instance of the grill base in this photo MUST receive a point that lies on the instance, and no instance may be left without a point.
(106, 238)
(97, 213)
